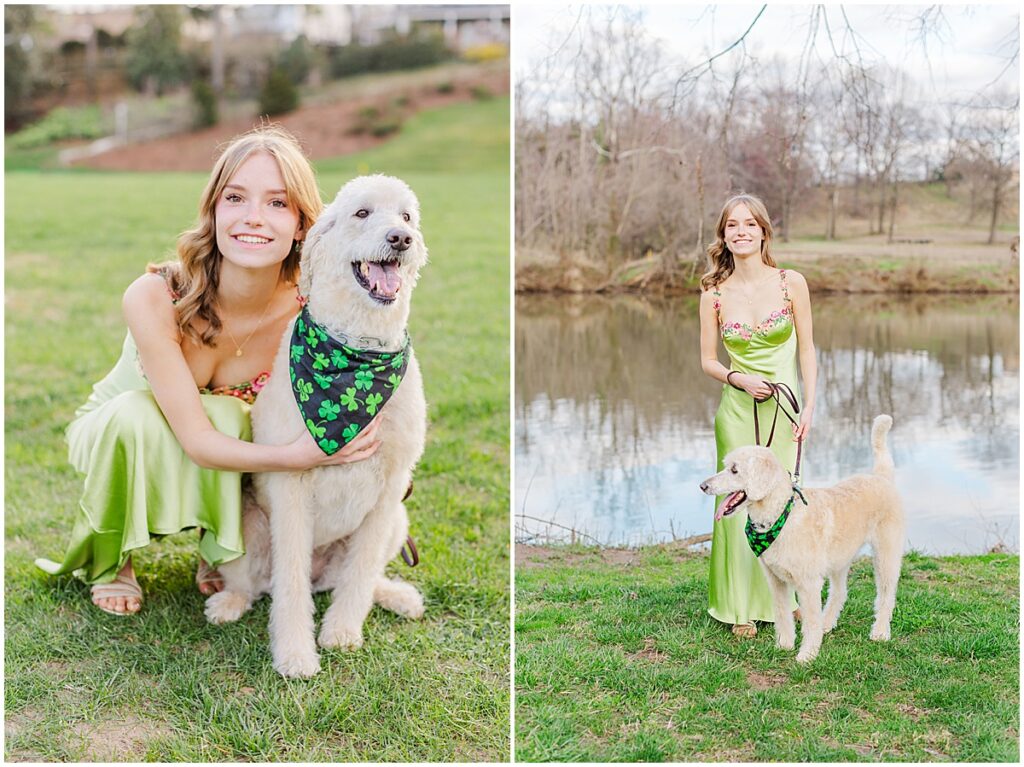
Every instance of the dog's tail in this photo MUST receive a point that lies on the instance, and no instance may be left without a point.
(883, 458)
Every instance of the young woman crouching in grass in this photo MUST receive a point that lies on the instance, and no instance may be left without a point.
(164, 438)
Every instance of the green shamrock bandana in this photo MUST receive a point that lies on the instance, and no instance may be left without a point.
(340, 389)
(760, 540)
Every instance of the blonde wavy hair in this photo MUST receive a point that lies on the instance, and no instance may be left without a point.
(195, 275)
(720, 258)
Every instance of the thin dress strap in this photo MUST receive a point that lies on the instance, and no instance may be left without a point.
(717, 302)
(168, 278)
(785, 287)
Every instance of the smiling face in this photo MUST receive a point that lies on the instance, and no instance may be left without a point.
(256, 224)
(743, 235)
(369, 240)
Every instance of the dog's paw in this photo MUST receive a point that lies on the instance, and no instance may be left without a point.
(807, 654)
(879, 633)
(785, 643)
(297, 664)
(226, 606)
(340, 637)
(400, 598)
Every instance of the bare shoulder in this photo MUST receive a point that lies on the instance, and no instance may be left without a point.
(147, 288)
(708, 297)
(794, 277)
(147, 300)
(796, 280)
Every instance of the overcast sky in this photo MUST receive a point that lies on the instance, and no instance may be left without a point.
(966, 52)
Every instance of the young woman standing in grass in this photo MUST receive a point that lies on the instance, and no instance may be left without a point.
(762, 315)
(163, 438)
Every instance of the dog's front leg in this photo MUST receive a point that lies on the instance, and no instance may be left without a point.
(785, 631)
(247, 577)
(358, 574)
(809, 594)
(291, 607)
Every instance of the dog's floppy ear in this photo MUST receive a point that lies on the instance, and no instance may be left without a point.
(311, 248)
(760, 471)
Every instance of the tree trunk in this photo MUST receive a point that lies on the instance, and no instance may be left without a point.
(997, 199)
(833, 206)
(881, 205)
(892, 208)
(700, 205)
(787, 205)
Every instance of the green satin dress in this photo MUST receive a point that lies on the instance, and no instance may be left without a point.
(139, 483)
(737, 589)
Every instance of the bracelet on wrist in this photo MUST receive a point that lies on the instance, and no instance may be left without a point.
(728, 379)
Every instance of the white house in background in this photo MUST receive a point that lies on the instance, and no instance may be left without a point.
(463, 26)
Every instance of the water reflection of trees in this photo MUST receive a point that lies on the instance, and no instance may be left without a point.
(936, 363)
(875, 353)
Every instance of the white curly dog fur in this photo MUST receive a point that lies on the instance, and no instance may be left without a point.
(337, 527)
(820, 539)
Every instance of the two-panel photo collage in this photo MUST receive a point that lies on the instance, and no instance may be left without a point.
(512, 383)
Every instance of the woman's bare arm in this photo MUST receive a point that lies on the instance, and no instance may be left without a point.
(801, 298)
(151, 319)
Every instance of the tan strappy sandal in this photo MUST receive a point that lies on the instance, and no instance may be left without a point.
(744, 630)
(122, 586)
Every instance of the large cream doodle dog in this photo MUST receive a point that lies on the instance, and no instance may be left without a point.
(337, 527)
(820, 538)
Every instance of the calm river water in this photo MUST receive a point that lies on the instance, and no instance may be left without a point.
(614, 418)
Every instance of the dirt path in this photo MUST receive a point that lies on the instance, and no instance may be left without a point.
(323, 129)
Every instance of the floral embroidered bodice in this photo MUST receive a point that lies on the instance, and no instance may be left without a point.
(774, 329)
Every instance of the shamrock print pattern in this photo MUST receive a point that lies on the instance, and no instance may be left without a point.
(338, 388)
(760, 540)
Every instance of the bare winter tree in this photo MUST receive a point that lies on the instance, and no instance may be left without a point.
(623, 149)
(829, 143)
(991, 140)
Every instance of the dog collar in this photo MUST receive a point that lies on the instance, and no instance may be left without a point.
(337, 387)
(760, 540)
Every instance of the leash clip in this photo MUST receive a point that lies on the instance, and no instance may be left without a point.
(798, 491)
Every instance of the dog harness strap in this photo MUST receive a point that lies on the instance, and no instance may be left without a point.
(338, 388)
(761, 540)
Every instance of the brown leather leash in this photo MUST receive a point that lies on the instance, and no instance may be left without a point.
(412, 557)
(779, 391)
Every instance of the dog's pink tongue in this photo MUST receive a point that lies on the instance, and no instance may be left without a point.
(384, 278)
(724, 505)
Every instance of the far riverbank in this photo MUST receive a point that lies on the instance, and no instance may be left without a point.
(865, 265)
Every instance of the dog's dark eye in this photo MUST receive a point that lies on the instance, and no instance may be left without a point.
(362, 213)
(407, 217)
(734, 470)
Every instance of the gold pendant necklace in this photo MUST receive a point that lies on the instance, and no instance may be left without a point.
(238, 347)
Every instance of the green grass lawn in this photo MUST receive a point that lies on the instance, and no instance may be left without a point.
(165, 685)
(619, 661)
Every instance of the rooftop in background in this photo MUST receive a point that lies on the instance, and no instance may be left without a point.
(463, 25)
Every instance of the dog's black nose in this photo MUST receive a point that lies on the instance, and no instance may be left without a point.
(399, 239)
(704, 487)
